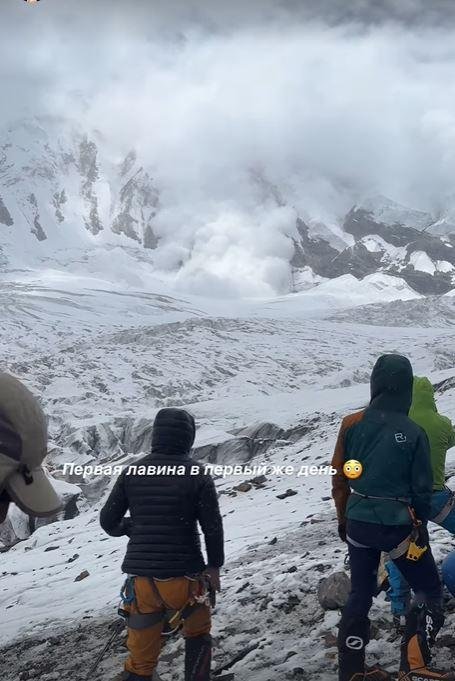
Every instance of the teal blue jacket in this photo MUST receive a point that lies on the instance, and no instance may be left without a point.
(393, 450)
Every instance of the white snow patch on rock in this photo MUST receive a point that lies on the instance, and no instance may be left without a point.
(420, 261)
(376, 244)
(444, 266)
(305, 279)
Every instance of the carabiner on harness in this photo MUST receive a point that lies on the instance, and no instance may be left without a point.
(415, 552)
(409, 546)
(127, 597)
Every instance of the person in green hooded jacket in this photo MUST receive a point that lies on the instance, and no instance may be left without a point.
(441, 436)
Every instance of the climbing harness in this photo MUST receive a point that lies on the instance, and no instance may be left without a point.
(409, 545)
(171, 619)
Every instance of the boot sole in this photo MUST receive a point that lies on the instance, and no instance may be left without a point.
(426, 676)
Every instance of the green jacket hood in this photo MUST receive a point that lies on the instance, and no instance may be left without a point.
(391, 384)
(439, 429)
(423, 394)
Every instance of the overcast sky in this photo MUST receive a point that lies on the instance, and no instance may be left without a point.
(325, 102)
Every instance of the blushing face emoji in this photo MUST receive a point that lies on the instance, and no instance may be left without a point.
(353, 469)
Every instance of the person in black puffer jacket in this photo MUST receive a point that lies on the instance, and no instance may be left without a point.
(164, 555)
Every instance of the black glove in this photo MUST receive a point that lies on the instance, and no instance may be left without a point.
(342, 531)
(423, 538)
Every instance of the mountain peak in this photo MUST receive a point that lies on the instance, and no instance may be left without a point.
(390, 212)
(60, 187)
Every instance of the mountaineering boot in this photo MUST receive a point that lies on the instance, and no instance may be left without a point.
(198, 658)
(353, 636)
(426, 674)
(129, 676)
(376, 673)
(422, 625)
(371, 674)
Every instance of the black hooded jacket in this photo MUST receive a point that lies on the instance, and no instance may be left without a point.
(166, 509)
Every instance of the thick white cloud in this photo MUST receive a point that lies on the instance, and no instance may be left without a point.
(244, 108)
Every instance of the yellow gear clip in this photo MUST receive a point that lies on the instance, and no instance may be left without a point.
(415, 552)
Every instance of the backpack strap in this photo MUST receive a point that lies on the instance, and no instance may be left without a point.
(446, 509)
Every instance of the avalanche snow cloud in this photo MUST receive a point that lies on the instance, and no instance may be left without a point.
(249, 115)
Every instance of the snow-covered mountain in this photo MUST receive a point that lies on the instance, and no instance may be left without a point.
(385, 237)
(268, 382)
(61, 189)
(66, 198)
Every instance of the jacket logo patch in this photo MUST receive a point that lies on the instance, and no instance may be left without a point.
(400, 437)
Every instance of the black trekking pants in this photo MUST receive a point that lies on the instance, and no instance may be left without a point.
(354, 628)
(422, 575)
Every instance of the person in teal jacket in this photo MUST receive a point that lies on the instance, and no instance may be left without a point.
(441, 436)
(382, 487)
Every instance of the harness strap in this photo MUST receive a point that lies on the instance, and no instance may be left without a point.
(172, 618)
(355, 543)
(446, 509)
(140, 621)
(158, 596)
(395, 553)
(402, 548)
(403, 500)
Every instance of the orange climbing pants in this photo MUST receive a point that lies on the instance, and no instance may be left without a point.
(144, 645)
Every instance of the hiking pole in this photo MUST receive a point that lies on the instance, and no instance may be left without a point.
(116, 631)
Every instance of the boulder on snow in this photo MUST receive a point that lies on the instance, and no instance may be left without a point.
(333, 591)
(259, 480)
(83, 575)
(288, 493)
(244, 487)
